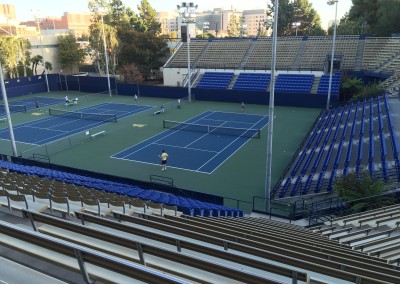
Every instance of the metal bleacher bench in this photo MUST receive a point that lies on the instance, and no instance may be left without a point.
(94, 135)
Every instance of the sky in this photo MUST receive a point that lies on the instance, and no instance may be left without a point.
(56, 8)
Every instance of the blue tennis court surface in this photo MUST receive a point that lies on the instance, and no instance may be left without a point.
(29, 103)
(55, 127)
(193, 150)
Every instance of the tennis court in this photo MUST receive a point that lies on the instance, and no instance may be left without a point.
(200, 144)
(26, 104)
(62, 123)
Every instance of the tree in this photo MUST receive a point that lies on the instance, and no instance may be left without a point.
(48, 66)
(69, 53)
(35, 62)
(145, 50)
(234, 26)
(346, 26)
(13, 50)
(350, 87)
(132, 73)
(388, 14)
(368, 91)
(378, 17)
(291, 11)
(24, 55)
(354, 187)
(146, 20)
(97, 46)
(364, 12)
(119, 16)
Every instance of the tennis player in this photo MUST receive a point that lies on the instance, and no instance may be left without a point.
(164, 157)
(242, 107)
(135, 97)
(37, 105)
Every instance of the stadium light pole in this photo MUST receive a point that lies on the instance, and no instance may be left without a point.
(105, 54)
(328, 101)
(271, 109)
(7, 108)
(36, 15)
(296, 25)
(8, 116)
(187, 11)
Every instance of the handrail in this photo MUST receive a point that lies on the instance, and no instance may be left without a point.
(84, 255)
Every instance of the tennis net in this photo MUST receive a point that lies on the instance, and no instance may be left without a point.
(82, 115)
(15, 108)
(219, 130)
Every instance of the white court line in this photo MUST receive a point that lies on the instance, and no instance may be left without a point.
(20, 142)
(241, 113)
(34, 127)
(221, 163)
(204, 136)
(225, 121)
(170, 167)
(174, 146)
(153, 141)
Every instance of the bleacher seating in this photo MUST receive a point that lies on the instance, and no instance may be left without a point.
(224, 54)
(180, 58)
(108, 188)
(261, 54)
(345, 139)
(170, 249)
(323, 86)
(294, 83)
(374, 232)
(252, 81)
(378, 51)
(319, 47)
(215, 80)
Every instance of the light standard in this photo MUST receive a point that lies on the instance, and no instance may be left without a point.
(41, 47)
(296, 25)
(187, 11)
(105, 52)
(7, 109)
(271, 107)
(332, 2)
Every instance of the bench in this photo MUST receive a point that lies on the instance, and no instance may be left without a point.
(92, 136)
(90, 264)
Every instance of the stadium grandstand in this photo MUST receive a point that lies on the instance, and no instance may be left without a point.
(62, 223)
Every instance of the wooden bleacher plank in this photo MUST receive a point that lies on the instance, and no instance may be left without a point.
(13, 272)
(99, 266)
(305, 256)
(155, 251)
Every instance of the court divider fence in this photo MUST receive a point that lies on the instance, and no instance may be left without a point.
(59, 145)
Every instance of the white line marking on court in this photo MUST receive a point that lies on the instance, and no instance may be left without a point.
(195, 149)
(34, 127)
(153, 164)
(240, 113)
(173, 132)
(204, 135)
(221, 163)
(225, 121)
(21, 142)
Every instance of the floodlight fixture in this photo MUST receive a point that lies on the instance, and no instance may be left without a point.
(332, 2)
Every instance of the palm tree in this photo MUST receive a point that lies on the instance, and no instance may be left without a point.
(48, 66)
(35, 62)
(357, 188)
